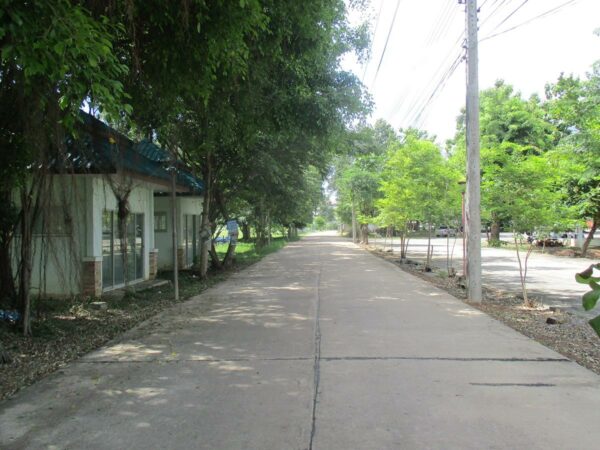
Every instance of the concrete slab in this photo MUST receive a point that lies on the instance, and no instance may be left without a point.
(432, 404)
(175, 405)
(374, 308)
(320, 346)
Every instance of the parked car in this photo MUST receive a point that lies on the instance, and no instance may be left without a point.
(444, 231)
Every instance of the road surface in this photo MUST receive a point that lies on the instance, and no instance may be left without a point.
(319, 346)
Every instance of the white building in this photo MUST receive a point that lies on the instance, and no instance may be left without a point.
(81, 250)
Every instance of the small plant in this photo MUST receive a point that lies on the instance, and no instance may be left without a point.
(590, 298)
(496, 243)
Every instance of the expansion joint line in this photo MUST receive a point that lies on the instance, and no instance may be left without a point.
(317, 358)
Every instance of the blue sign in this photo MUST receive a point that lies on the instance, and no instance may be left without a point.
(232, 226)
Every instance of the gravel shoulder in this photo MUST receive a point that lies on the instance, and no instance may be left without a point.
(570, 335)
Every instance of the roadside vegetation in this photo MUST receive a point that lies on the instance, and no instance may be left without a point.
(257, 106)
(540, 172)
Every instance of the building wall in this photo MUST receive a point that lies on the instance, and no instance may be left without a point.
(164, 239)
(61, 250)
(73, 261)
(140, 201)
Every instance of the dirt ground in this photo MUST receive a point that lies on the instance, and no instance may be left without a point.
(570, 335)
(66, 329)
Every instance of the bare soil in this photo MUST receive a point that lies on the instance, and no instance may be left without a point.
(66, 329)
(570, 336)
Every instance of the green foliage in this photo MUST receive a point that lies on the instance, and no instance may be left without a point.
(520, 187)
(319, 223)
(418, 184)
(590, 298)
(574, 109)
(250, 253)
(519, 178)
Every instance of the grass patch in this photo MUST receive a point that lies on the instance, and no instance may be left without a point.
(247, 253)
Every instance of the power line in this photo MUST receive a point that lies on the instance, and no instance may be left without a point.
(494, 11)
(387, 40)
(437, 74)
(511, 14)
(540, 16)
(374, 35)
(435, 30)
(439, 87)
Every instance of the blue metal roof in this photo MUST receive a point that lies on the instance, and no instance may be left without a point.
(102, 149)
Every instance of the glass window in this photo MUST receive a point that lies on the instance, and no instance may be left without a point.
(107, 249)
(122, 259)
(138, 248)
(160, 222)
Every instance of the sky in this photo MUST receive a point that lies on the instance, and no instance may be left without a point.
(421, 78)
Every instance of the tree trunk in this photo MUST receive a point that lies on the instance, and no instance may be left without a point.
(590, 236)
(245, 231)
(229, 258)
(26, 254)
(495, 229)
(354, 231)
(364, 233)
(8, 221)
(268, 229)
(174, 226)
(523, 270)
(206, 232)
(402, 245)
(428, 260)
(214, 257)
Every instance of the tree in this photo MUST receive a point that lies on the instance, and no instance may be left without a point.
(505, 118)
(574, 109)
(357, 175)
(523, 187)
(54, 56)
(417, 184)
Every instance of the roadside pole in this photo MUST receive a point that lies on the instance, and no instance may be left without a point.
(473, 216)
(174, 225)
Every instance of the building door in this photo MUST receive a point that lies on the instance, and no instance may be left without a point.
(122, 259)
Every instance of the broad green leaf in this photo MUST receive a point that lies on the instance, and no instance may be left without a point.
(595, 323)
(584, 277)
(590, 299)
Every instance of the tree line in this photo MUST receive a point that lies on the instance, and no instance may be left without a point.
(540, 168)
(250, 94)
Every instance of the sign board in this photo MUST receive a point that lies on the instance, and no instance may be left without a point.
(232, 226)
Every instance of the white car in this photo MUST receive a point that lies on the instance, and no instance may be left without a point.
(444, 231)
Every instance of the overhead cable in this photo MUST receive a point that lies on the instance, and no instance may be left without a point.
(540, 16)
(387, 40)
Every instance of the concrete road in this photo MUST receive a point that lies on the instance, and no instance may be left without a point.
(320, 346)
(550, 279)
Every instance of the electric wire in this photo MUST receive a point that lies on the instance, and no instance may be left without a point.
(446, 24)
(511, 14)
(416, 121)
(416, 112)
(528, 21)
(437, 74)
(386, 41)
(434, 33)
(494, 12)
(374, 35)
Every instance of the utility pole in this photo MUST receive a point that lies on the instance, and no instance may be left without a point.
(473, 196)
(174, 225)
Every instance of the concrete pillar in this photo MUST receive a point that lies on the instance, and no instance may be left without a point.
(153, 263)
(91, 276)
(181, 263)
